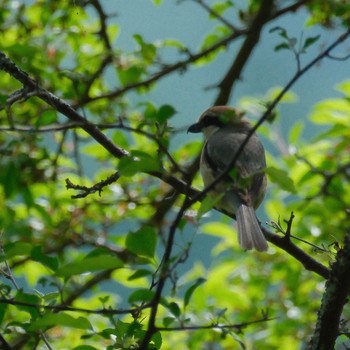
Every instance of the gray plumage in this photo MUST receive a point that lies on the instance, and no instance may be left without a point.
(244, 187)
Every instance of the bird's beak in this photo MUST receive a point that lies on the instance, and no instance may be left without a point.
(195, 128)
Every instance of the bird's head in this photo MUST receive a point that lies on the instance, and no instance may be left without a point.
(216, 118)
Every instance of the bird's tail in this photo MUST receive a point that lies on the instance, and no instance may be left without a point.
(249, 232)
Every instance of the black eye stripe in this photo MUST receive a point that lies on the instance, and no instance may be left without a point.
(211, 120)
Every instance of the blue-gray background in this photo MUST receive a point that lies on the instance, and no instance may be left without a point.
(189, 23)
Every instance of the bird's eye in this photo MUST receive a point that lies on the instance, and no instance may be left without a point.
(211, 120)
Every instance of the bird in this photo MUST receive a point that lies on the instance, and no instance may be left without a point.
(242, 189)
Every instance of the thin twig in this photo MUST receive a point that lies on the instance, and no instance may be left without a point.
(163, 274)
(289, 225)
(238, 326)
(216, 15)
(8, 273)
(297, 253)
(98, 187)
(105, 312)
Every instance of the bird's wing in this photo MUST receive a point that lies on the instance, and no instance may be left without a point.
(246, 177)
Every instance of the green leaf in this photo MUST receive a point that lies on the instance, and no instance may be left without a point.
(288, 97)
(150, 110)
(191, 290)
(164, 113)
(140, 162)
(282, 46)
(3, 309)
(174, 309)
(104, 299)
(157, 340)
(141, 295)
(90, 264)
(167, 321)
(148, 50)
(17, 249)
(46, 118)
(48, 261)
(331, 111)
(310, 41)
(130, 75)
(281, 32)
(221, 7)
(173, 43)
(211, 39)
(344, 87)
(281, 178)
(161, 115)
(3, 99)
(139, 274)
(29, 299)
(95, 151)
(11, 177)
(120, 139)
(217, 229)
(208, 203)
(295, 132)
(287, 43)
(142, 242)
(61, 319)
(120, 329)
(85, 347)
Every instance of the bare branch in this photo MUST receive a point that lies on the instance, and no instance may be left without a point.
(4, 344)
(73, 309)
(288, 246)
(98, 187)
(290, 8)
(216, 15)
(61, 106)
(238, 327)
(335, 58)
(108, 51)
(244, 53)
(333, 301)
(289, 225)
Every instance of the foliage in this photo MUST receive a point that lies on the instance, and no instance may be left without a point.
(99, 211)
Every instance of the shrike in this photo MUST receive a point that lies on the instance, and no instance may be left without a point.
(243, 188)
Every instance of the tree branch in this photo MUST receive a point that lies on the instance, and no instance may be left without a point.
(288, 246)
(215, 14)
(238, 326)
(163, 275)
(290, 8)
(244, 53)
(4, 344)
(56, 308)
(59, 105)
(108, 49)
(333, 301)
